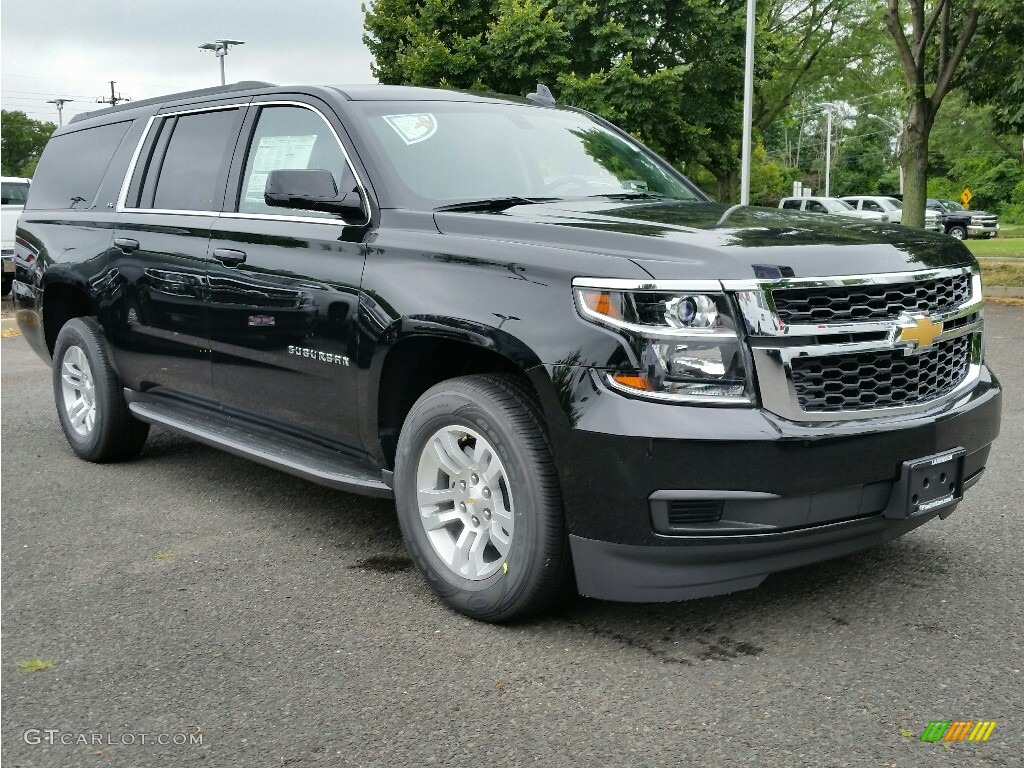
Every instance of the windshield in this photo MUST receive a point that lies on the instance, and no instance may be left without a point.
(953, 205)
(14, 193)
(440, 153)
(896, 204)
(837, 205)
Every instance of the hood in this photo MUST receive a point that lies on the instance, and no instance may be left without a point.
(695, 240)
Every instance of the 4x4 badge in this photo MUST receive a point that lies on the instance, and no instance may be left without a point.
(915, 332)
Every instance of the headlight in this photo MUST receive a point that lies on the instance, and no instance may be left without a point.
(684, 343)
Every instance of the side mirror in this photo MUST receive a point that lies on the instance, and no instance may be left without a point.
(312, 190)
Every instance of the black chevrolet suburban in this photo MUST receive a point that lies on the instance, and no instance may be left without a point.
(566, 365)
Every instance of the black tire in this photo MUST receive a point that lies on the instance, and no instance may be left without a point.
(537, 570)
(959, 231)
(115, 434)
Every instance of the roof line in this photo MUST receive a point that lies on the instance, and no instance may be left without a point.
(244, 85)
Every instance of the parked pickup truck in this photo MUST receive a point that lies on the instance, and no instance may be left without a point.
(569, 368)
(961, 223)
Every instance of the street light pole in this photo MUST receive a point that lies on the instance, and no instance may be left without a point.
(60, 109)
(748, 106)
(828, 151)
(829, 106)
(220, 49)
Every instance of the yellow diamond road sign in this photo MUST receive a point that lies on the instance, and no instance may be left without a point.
(965, 197)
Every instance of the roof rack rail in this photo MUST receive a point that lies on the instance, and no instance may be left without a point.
(244, 85)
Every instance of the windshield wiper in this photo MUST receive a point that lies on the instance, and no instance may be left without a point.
(494, 204)
(635, 196)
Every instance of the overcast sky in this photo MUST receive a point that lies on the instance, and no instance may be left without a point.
(57, 48)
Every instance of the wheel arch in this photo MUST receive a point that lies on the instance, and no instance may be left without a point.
(426, 352)
(62, 300)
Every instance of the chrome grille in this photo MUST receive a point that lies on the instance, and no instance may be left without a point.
(880, 378)
(844, 304)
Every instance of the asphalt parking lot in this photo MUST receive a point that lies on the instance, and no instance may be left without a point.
(193, 596)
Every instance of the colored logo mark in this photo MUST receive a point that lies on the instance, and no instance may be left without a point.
(958, 730)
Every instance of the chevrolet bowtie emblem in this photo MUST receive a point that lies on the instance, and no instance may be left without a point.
(917, 332)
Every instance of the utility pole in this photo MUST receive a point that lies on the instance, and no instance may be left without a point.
(114, 100)
(748, 106)
(60, 109)
(220, 49)
(829, 106)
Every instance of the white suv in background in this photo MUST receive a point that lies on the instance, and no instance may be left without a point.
(831, 205)
(892, 208)
(13, 194)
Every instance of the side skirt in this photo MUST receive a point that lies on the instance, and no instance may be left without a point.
(266, 446)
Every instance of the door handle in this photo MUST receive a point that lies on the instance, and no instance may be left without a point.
(228, 256)
(126, 244)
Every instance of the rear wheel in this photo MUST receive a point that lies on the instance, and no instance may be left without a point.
(90, 403)
(478, 499)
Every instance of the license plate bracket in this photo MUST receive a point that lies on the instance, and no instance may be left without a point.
(932, 482)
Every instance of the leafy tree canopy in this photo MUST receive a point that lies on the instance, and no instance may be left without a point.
(22, 140)
(670, 73)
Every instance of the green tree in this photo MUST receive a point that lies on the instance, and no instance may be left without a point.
(994, 66)
(670, 73)
(21, 142)
(932, 42)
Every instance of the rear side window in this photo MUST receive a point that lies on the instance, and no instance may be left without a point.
(192, 168)
(792, 205)
(72, 166)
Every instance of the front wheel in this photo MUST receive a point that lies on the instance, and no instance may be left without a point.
(478, 499)
(957, 231)
(90, 403)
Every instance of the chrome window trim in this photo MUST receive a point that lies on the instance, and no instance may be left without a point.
(122, 194)
(301, 219)
(122, 207)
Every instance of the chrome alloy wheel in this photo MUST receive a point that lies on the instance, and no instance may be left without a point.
(79, 390)
(465, 502)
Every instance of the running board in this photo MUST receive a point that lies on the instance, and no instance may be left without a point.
(263, 445)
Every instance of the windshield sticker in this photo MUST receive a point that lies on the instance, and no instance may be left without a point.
(274, 153)
(413, 128)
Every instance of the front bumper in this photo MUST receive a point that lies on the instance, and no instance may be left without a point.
(982, 230)
(790, 493)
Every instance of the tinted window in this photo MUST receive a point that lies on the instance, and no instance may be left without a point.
(793, 205)
(72, 166)
(191, 169)
(290, 138)
(14, 193)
